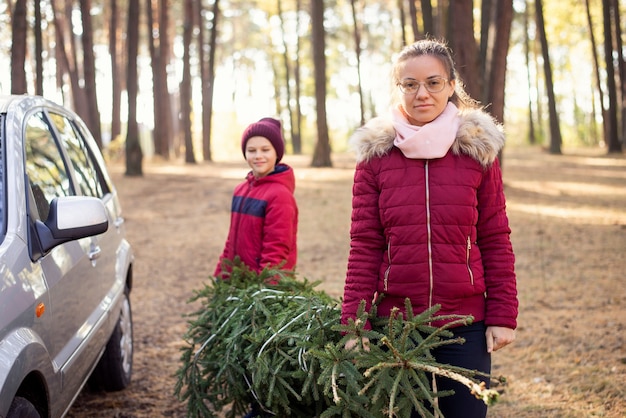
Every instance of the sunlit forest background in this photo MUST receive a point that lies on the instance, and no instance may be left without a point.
(181, 79)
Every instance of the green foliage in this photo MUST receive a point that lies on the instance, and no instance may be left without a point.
(281, 347)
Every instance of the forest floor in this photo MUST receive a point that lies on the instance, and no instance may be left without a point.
(568, 217)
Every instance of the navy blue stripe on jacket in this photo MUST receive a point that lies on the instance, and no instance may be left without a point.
(249, 206)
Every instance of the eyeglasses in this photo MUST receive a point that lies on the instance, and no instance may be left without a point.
(433, 85)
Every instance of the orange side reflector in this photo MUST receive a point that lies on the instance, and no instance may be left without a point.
(40, 309)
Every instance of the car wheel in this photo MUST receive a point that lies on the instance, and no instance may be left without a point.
(22, 408)
(115, 367)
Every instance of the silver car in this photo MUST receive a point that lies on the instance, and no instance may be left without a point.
(65, 264)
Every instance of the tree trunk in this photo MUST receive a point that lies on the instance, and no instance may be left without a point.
(297, 131)
(427, 17)
(499, 54)
(89, 73)
(18, 49)
(202, 64)
(614, 145)
(38, 50)
(487, 29)
(531, 120)
(555, 130)
(497, 79)
(400, 6)
(287, 69)
(78, 95)
(134, 155)
(116, 94)
(621, 66)
(208, 87)
(594, 54)
(321, 154)
(414, 26)
(185, 85)
(357, 51)
(464, 46)
(165, 124)
(157, 134)
(68, 66)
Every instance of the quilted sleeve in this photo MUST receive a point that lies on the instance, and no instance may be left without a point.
(493, 233)
(367, 243)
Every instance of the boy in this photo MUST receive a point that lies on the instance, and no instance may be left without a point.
(264, 213)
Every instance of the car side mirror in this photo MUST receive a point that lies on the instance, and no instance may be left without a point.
(71, 218)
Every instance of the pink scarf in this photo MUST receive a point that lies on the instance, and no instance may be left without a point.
(433, 140)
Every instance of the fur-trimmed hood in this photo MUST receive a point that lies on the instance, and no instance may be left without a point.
(479, 136)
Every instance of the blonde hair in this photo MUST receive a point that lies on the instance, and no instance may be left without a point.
(437, 49)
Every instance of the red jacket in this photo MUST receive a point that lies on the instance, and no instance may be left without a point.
(436, 230)
(263, 222)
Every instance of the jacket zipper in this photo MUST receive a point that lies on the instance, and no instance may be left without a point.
(428, 229)
(467, 258)
(386, 280)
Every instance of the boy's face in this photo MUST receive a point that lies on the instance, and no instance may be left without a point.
(261, 156)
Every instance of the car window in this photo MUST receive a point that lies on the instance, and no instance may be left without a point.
(87, 175)
(45, 167)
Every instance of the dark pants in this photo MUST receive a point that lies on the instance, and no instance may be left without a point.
(472, 355)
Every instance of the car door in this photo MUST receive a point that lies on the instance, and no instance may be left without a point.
(76, 282)
(90, 180)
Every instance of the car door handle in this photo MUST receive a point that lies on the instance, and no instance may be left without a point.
(118, 222)
(94, 253)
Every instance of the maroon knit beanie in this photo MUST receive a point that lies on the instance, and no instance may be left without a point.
(267, 128)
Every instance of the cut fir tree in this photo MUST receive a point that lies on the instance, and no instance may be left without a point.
(280, 348)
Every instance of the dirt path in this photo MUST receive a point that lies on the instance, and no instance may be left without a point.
(568, 215)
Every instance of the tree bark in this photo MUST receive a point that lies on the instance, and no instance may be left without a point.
(621, 66)
(497, 79)
(78, 93)
(134, 155)
(297, 131)
(185, 85)
(204, 82)
(427, 17)
(321, 154)
(287, 69)
(614, 145)
(38, 50)
(414, 26)
(357, 52)
(67, 65)
(400, 6)
(18, 48)
(488, 24)
(555, 130)
(207, 97)
(157, 134)
(594, 54)
(89, 73)
(116, 94)
(531, 121)
(464, 46)
(166, 103)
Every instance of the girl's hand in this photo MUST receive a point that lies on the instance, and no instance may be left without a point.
(353, 344)
(498, 337)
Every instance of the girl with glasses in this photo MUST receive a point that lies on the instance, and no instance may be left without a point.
(429, 220)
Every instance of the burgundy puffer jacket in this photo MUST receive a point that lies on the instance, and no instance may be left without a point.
(263, 222)
(436, 230)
